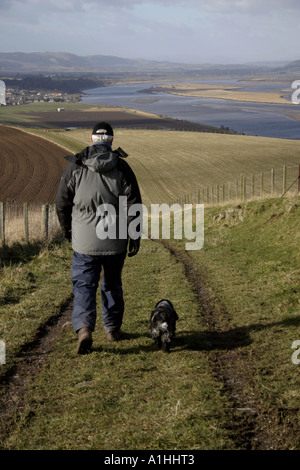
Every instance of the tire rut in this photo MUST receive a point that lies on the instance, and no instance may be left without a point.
(253, 424)
(27, 366)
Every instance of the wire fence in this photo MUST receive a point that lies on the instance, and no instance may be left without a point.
(273, 183)
(26, 223)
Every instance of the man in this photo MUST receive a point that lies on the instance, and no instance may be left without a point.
(90, 187)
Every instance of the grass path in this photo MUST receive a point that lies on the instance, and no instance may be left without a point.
(128, 395)
(228, 383)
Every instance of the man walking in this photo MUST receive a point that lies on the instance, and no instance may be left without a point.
(95, 180)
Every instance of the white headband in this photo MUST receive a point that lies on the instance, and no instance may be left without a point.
(102, 138)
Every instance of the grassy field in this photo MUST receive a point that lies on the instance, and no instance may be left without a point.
(171, 164)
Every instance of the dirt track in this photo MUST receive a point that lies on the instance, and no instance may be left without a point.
(31, 167)
(252, 423)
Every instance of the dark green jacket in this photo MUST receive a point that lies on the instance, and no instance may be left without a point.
(95, 177)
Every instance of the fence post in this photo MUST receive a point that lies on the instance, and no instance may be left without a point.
(284, 179)
(272, 181)
(26, 227)
(243, 188)
(2, 223)
(45, 220)
(261, 184)
(299, 179)
(252, 186)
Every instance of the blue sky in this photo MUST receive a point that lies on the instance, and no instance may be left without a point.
(191, 31)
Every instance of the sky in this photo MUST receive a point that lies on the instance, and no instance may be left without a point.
(189, 31)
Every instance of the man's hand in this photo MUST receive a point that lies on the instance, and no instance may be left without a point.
(134, 246)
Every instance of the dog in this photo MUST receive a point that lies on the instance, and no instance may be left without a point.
(163, 324)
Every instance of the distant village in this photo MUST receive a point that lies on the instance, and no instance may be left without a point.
(39, 88)
(18, 97)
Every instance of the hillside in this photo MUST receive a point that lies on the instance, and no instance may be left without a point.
(64, 61)
(172, 164)
(61, 62)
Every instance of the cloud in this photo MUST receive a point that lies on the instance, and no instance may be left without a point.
(241, 7)
(214, 6)
(203, 30)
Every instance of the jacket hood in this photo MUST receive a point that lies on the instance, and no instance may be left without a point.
(100, 158)
(97, 158)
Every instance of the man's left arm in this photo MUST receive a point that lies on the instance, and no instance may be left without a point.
(132, 191)
(64, 202)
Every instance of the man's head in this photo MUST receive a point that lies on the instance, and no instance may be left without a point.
(102, 132)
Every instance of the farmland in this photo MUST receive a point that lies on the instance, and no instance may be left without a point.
(168, 164)
(30, 168)
(229, 382)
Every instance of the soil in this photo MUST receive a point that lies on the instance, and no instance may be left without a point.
(31, 167)
(27, 366)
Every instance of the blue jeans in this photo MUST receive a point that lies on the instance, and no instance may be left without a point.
(85, 275)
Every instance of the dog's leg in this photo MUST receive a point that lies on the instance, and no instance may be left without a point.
(166, 342)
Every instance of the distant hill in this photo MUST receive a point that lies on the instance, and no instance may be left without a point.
(64, 62)
(67, 62)
(293, 66)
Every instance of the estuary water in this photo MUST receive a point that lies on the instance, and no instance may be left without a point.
(266, 120)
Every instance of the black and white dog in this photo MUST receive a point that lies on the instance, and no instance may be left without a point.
(163, 324)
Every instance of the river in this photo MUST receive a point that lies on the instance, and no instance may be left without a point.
(266, 120)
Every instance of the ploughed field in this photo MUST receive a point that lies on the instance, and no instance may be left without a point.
(31, 167)
(168, 165)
